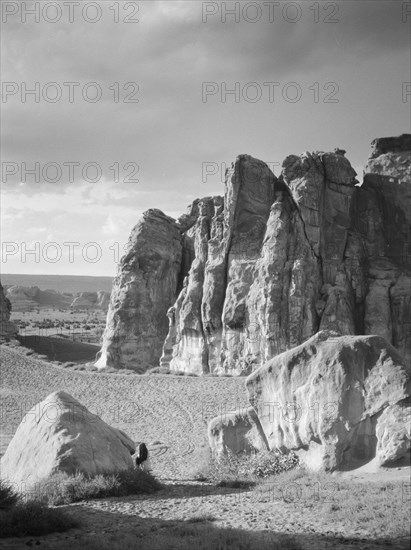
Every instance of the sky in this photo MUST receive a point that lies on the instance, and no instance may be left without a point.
(131, 108)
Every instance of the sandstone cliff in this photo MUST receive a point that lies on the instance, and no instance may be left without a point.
(7, 328)
(143, 290)
(244, 278)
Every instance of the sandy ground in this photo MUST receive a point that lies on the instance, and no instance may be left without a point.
(170, 414)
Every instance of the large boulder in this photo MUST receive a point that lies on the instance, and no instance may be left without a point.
(59, 434)
(8, 330)
(338, 401)
(238, 432)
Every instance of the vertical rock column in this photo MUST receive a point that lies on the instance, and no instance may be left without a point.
(7, 328)
(143, 291)
(381, 238)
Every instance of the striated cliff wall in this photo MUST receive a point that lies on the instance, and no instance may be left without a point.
(251, 275)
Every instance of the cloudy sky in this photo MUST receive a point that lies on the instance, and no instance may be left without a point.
(129, 109)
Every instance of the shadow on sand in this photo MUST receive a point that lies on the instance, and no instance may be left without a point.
(60, 349)
(104, 530)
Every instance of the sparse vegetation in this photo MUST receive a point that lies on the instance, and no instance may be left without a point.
(179, 535)
(65, 489)
(166, 370)
(19, 517)
(244, 470)
(375, 508)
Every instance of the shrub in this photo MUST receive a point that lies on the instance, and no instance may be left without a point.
(8, 497)
(243, 470)
(158, 370)
(64, 489)
(32, 517)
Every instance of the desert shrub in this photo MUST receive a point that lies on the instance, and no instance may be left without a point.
(33, 518)
(244, 469)
(166, 370)
(64, 489)
(20, 516)
(219, 375)
(267, 463)
(158, 370)
(201, 518)
(179, 535)
(8, 496)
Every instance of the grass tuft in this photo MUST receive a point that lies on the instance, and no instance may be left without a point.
(245, 469)
(64, 489)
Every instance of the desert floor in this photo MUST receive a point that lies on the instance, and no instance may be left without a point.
(170, 414)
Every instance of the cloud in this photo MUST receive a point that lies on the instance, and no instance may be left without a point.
(171, 132)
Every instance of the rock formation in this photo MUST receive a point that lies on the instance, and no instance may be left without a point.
(252, 275)
(61, 435)
(8, 329)
(239, 431)
(337, 401)
(91, 300)
(143, 290)
(378, 254)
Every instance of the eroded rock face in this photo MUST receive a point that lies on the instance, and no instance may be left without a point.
(336, 401)
(273, 270)
(91, 300)
(272, 263)
(378, 255)
(143, 291)
(8, 329)
(61, 435)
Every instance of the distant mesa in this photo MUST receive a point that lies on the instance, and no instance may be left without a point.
(240, 279)
(30, 298)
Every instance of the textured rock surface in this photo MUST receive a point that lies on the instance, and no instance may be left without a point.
(7, 328)
(274, 270)
(274, 262)
(378, 255)
(238, 432)
(143, 291)
(91, 300)
(61, 435)
(336, 401)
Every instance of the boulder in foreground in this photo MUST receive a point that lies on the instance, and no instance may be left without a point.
(338, 402)
(61, 435)
(237, 431)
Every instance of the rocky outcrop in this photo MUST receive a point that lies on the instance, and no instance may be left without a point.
(378, 254)
(237, 432)
(61, 435)
(275, 261)
(91, 300)
(143, 291)
(338, 402)
(8, 330)
(273, 272)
